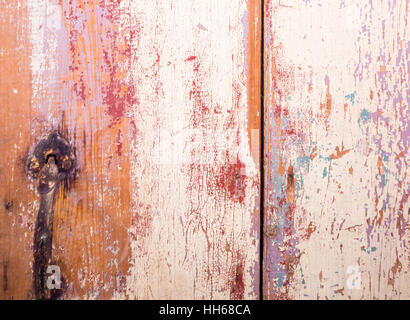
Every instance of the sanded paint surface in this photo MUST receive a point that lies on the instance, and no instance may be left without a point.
(161, 102)
(336, 150)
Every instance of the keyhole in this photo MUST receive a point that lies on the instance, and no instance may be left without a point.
(52, 158)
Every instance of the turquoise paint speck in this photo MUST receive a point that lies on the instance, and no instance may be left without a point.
(280, 280)
(351, 97)
(325, 172)
(303, 277)
(384, 180)
(298, 185)
(385, 156)
(365, 115)
(303, 161)
(373, 249)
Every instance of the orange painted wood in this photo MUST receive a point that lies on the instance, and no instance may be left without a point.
(17, 200)
(161, 101)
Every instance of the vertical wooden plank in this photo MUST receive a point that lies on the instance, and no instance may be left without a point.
(17, 202)
(337, 137)
(195, 233)
(160, 100)
(80, 86)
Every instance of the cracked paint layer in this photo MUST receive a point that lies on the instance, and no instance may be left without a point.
(160, 101)
(336, 140)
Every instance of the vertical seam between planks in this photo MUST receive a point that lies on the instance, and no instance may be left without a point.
(262, 152)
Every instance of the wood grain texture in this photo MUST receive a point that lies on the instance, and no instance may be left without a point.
(336, 140)
(160, 100)
(196, 235)
(18, 203)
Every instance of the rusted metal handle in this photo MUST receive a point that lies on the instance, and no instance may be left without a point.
(47, 186)
(51, 162)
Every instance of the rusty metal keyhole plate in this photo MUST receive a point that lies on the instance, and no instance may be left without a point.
(53, 145)
(51, 161)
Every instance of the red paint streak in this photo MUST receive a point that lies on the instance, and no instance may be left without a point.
(231, 180)
(200, 116)
(118, 98)
(141, 220)
(110, 55)
(80, 88)
(222, 179)
(118, 93)
(232, 122)
(75, 20)
(134, 131)
(238, 285)
(227, 181)
(190, 58)
(201, 108)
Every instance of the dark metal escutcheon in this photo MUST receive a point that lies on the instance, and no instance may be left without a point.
(52, 161)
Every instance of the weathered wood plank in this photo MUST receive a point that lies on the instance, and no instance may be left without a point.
(337, 138)
(17, 200)
(196, 234)
(160, 100)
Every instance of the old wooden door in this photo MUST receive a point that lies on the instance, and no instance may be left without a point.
(160, 101)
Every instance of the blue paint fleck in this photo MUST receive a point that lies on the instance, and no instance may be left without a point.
(351, 97)
(384, 180)
(365, 115)
(385, 155)
(325, 172)
(303, 161)
(280, 280)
